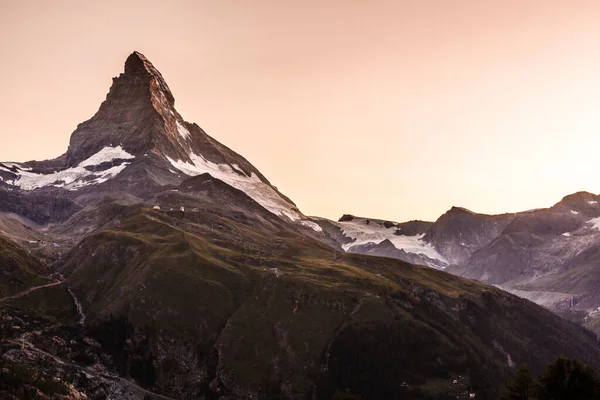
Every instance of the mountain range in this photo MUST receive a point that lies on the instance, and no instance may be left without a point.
(150, 261)
(549, 256)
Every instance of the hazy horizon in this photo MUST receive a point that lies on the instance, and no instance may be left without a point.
(393, 109)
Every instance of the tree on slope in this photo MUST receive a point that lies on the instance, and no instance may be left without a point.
(522, 387)
(569, 380)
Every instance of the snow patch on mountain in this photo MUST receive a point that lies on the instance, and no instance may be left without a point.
(364, 231)
(312, 225)
(75, 177)
(183, 131)
(574, 212)
(107, 154)
(259, 191)
(595, 223)
(592, 202)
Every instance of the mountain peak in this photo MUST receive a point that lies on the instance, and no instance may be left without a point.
(137, 65)
(456, 209)
(136, 62)
(578, 201)
(138, 114)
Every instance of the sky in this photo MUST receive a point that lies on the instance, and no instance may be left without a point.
(388, 109)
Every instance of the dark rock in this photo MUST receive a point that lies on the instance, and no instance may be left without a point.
(346, 218)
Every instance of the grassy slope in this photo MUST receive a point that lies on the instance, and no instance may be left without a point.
(34, 311)
(19, 269)
(213, 305)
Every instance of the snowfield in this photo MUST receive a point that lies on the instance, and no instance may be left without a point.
(75, 177)
(256, 189)
(595, 223)
(312, 225)
(107, 154)
(374, 232)
(183, 131)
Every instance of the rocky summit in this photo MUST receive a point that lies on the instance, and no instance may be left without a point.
(150, 261)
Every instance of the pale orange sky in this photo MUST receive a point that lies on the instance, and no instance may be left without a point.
(389, 109)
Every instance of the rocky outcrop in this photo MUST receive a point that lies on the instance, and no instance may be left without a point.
(459, 233)
(40, 207)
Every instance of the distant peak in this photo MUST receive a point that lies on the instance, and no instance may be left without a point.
(461, 209)
(578, 199)
(582, 195)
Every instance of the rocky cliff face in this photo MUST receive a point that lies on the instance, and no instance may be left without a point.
(136, 115)
(459, 232)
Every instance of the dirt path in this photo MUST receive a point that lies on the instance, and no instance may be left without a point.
(31, 289)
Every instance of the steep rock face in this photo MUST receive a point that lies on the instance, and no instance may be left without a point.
(41, 208)
(459, 232)
(139, 114)
(132, 116)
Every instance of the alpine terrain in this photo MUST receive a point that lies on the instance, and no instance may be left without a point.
(150, 261)
(549, 256)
